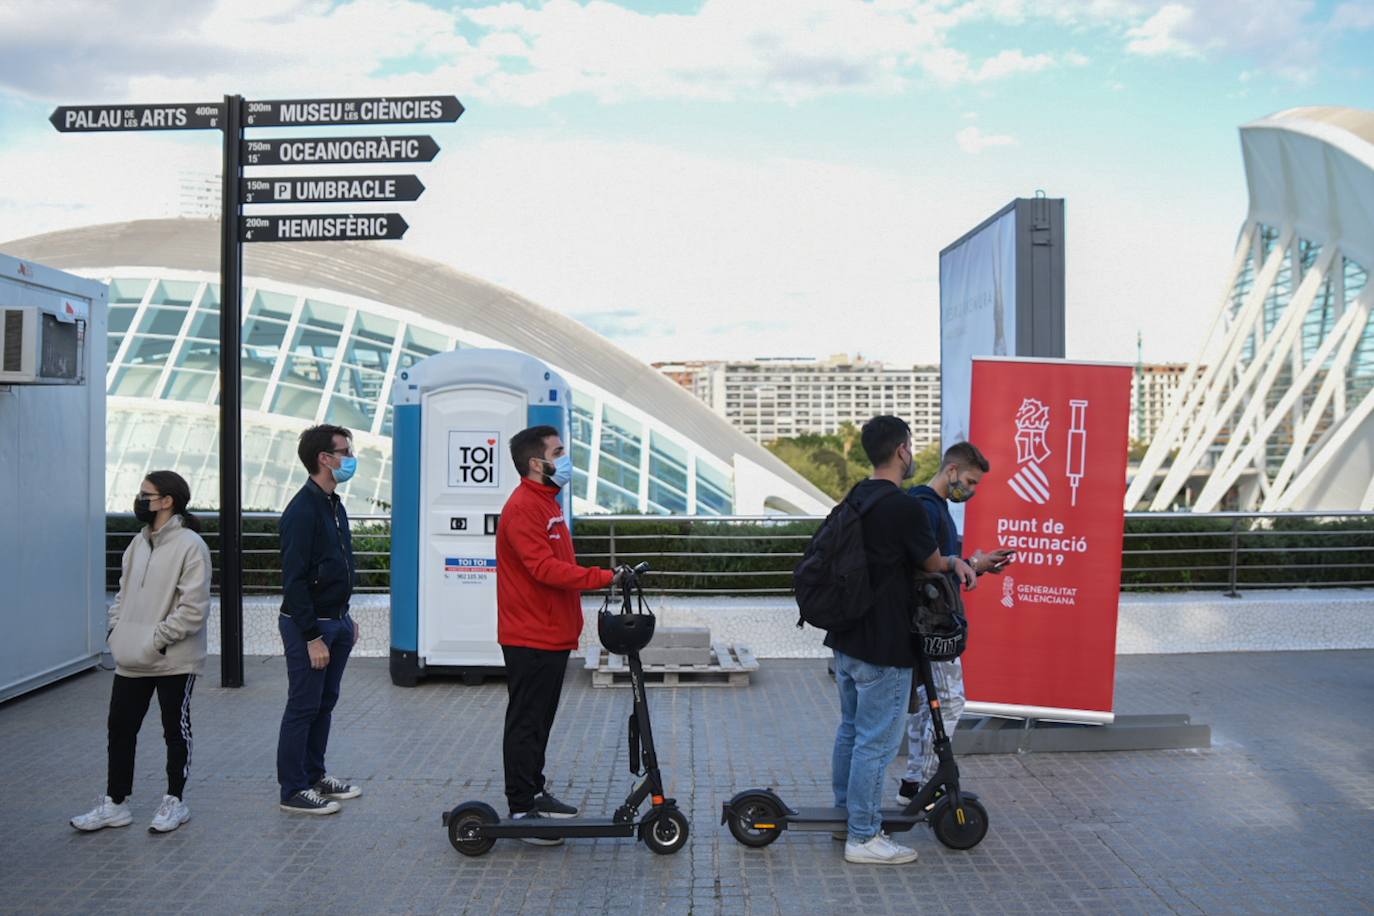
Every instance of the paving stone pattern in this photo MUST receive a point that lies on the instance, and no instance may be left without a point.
(1277, 817)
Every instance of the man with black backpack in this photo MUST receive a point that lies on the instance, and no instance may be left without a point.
(961, 470)
(870, 633)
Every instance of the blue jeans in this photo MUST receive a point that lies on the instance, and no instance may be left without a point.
(873, 704)
(310, 700)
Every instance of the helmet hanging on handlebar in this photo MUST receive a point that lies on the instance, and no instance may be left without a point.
(629, 629)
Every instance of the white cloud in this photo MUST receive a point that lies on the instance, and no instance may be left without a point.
(685, 255)
(1159, 35)
(1356, 16)
(973, 140)
(528, 55)
(1009, 62)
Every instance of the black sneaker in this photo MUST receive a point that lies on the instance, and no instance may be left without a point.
(548, 806)
(332, 787)
(536, 840)
(908, 791)
(308, 801)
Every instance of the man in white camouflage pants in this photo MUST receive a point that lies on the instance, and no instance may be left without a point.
(961, 470)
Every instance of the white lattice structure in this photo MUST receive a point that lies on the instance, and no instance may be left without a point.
(1277, 411)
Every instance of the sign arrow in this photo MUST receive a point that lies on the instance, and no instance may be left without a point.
(190, 116)
(322, 227)
(312, 150)
(329, 189)
(400, 110)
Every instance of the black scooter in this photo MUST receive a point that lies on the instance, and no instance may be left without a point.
(757, 817)
(474, 826)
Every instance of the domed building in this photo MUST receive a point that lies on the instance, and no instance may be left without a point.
(326, 329)
(1277, 411)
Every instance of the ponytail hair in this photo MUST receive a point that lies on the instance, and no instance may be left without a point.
(170, 483)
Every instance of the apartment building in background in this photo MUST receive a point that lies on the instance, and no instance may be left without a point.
(1152, 389)
(775, 398)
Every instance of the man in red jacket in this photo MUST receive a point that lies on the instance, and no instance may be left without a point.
(538, 614)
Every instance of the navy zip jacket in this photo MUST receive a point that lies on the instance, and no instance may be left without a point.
(941, 522)
(317, 568)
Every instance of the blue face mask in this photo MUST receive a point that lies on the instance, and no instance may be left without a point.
(347, 466)
(562, 471)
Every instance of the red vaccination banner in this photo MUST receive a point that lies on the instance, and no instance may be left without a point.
(1042, 634)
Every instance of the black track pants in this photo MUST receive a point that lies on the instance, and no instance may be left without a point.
(534, 682)
(129, 700)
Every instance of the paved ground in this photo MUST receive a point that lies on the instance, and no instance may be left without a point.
(1275, 817)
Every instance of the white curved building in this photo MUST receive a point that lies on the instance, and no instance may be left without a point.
(1282, 415)
(327, 326)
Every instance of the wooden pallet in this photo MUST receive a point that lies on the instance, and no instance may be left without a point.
(730, 667)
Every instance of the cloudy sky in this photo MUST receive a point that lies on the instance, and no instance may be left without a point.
(728, 177)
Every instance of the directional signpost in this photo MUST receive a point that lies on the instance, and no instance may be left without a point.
(194, 116)
(322, 227)
(232, 116)
(314, 189)
(326, 150)
(301, 112)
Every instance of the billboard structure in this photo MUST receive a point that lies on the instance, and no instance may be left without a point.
(1043, 634)
(1001, 294)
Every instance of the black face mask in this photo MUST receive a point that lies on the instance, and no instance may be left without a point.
(143, 512)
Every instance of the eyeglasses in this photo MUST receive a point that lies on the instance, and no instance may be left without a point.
(346, 452)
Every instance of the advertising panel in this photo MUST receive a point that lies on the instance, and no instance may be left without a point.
(1042, 634)
(977, 315)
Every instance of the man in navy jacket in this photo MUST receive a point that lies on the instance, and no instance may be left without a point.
(317, 633)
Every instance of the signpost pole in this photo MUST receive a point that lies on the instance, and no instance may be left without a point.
(230, 397)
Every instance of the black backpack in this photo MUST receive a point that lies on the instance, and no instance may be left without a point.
(831, 581)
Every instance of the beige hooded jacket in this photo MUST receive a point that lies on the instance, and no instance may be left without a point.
(163, 600)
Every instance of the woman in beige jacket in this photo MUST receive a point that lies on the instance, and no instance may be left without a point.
(157, 637)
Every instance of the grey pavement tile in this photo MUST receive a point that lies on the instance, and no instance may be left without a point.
(1275, 817)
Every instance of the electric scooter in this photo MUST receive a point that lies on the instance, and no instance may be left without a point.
(757, 817)
(474, 826)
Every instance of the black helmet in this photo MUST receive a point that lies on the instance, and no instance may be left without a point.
(622, 634)
(939, 622)
(628, 629)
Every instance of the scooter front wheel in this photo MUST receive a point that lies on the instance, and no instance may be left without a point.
(961, 828)
(750, 811)
(665, 832)
(464, 823)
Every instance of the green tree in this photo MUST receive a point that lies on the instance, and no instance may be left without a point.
(834, 462)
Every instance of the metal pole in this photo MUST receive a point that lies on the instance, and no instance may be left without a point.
(230, 397)
(1235, 558)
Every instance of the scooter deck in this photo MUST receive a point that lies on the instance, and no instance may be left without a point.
(552, 828)
(829, 819)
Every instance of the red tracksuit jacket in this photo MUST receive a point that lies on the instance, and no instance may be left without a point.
(537, 577)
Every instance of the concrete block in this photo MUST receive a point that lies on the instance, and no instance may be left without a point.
(687, 656)
(682, 638)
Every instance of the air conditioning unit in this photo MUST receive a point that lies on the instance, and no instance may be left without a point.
(41, 347)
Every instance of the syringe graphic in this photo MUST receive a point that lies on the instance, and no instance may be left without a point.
(1078, 445)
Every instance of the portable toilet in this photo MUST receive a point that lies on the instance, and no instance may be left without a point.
(455, 414)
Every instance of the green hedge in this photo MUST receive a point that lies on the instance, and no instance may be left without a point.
(1161, 554)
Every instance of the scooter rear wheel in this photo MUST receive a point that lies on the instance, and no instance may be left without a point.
(746, 813)
(950, 831)
(665, 832)
(463, 823)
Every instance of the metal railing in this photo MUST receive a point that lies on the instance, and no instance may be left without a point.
(755, 555)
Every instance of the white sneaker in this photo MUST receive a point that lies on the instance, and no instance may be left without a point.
(104, 814)
(536, 840)
(171, 814)
(879, 851)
